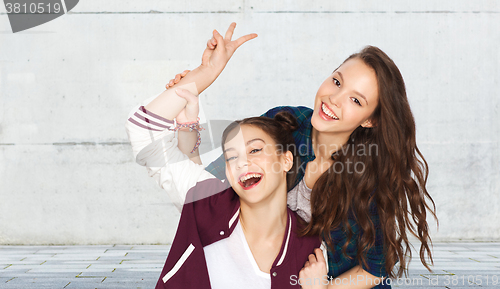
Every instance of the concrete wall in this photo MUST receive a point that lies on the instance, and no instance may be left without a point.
(67, 175)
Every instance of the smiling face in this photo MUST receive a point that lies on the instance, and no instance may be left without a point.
(254, 167)
(346, 99)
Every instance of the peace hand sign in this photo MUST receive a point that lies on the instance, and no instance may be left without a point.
(219, 50)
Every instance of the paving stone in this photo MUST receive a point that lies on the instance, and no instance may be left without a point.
(34, 283)
(137, 266)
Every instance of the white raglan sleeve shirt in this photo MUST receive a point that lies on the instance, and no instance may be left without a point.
(154, 146)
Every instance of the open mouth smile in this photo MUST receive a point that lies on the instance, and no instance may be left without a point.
(326, 113)
(249, 180)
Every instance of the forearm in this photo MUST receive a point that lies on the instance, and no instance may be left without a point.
(186, 143)
(155, 146)
(355, 278)
(203, 76)
(168, 104)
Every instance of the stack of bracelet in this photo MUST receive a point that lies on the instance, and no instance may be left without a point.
(195, 125)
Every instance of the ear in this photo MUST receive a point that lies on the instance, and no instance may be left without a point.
(288, 157)
(367, 124)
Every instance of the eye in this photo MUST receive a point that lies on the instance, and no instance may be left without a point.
(336, 81)
(255, 151)
(356, 101)
(230, 159)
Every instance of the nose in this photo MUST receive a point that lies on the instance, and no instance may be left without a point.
(241, 162)
(335, 99)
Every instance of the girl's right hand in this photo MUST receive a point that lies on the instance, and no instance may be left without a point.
(219, 50)
(216, 56)
(314, 270)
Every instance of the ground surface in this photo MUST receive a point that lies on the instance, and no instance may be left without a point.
(457, 265)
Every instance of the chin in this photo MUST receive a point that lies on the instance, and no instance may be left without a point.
(316, 122)
(250, 200)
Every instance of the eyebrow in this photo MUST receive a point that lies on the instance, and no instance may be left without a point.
(358, 93)
(229, 149)
(254, 140)
(248, 142)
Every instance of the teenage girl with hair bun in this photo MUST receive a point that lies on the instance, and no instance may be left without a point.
(243, 236)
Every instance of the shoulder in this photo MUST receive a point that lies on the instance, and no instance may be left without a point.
(298, 111)
(210, 191)
(211, 204)
(302, 243)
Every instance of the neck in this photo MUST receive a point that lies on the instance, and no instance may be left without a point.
(325, 144)
(265, 220)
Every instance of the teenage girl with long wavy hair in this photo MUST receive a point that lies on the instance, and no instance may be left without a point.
(362, 171)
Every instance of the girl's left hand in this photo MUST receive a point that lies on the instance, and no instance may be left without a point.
(177, 78)
(192, 108)
(314, 274)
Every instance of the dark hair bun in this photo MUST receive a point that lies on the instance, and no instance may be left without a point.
(287, 121)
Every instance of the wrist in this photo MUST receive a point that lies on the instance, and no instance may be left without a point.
(191, 127)
(184, 124)
(211, 72)
(182, 120)
(187, 122)
(185, 129)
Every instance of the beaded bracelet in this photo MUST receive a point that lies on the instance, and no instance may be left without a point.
(195, 125)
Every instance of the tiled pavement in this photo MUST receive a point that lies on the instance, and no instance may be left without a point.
(457, 265)
(110, 266)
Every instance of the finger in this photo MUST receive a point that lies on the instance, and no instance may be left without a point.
(302, 274)
(205, 58)
(187, 95)
(312, 258)
(177, 78)
(220, 40)
(171, 82)
(319, 255)
(230, 31)
(213, 41)
(307, 264)
(210, 45)
(244, 39)
(185, 72)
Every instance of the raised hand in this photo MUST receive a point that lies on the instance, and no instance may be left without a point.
(216, 58)
(220, 49)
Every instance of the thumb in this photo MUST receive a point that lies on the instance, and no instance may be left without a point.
(187, 95)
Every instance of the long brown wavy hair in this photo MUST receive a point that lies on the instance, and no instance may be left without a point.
(391, 174)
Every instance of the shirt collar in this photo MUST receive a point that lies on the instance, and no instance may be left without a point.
(286, 241)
